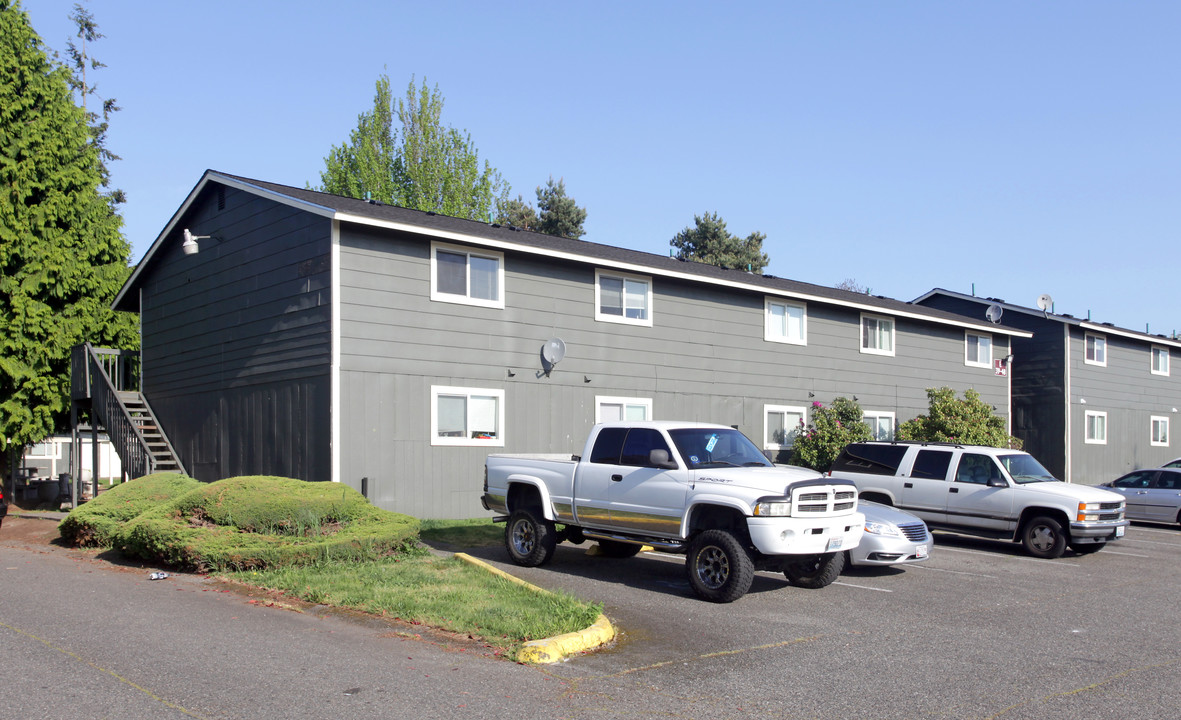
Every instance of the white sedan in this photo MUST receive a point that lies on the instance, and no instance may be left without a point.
(891, 537)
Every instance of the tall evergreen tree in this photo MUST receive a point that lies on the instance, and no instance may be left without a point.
(63, 256)
(517, 213)
(710, 242)
(558, 214)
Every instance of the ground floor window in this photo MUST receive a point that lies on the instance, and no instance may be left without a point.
(467, 416)
(782, 424)
(1160, 431)
(1096, 427)
(881, 424)
(617, 409)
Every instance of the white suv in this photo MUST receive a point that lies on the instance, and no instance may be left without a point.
(985, 491)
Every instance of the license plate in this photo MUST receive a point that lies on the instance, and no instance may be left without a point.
(834, 544)
(1119, 531)
(920, 552)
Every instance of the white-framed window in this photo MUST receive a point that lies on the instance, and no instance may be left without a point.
(621, 298)
(44, 449)
(1160, 360)
(614, 409)
(1096, 423)
(782, 424)
(785, 322)
(1096, 352)
(877, 334)
(467, 276)
(1160, 431)
(467, 416)
(881, 424)
(977, 350)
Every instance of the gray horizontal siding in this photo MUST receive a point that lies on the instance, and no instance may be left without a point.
(703, 359)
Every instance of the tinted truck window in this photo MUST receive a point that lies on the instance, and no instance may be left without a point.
(931, 464)
(640, 442)
(873, 459)
(608, 445)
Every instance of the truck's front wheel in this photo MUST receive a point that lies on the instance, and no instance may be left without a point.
(530, 540)
(719, 568)
(814, 571)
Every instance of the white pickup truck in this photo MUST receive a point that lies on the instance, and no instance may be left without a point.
(703, 490)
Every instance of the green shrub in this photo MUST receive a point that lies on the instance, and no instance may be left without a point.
(970, 421)
(259, 521)
(832, 428)
(96, 523)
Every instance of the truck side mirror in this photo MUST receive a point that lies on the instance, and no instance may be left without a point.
(659, 458)
(997, 482)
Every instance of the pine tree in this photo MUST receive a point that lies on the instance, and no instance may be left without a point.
(558, 214)
(63, 256)
(710, 242)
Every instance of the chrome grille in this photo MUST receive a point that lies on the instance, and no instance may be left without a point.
(1111, 506)
(914, 533)
(814, 497)
(1111, 516)
(829, 501)
(844, 506)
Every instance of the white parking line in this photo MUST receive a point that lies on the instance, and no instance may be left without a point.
(1149, 542)
(1055, 563)
(862, 587)
(953, 572)
(1116, 552)
(1138, 528)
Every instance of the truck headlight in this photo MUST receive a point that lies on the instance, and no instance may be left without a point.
(884, 529)
(772, 507)
(1088, 512)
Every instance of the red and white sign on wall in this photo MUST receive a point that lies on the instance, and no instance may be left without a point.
(1000, 367)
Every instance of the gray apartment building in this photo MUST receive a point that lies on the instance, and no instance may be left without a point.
(1090, 400)
(320, 337)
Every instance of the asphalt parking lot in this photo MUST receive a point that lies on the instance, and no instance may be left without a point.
(980, 630)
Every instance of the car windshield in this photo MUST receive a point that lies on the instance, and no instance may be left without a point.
(717, 447)
(1024, 469)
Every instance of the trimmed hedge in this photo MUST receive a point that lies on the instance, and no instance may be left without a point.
(97, 523)
(259, 521)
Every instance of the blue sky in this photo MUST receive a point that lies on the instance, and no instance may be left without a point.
(1019, 148)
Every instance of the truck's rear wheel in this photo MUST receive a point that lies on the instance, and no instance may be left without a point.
(814, 571)
(1043, 537)
(530, 540)
(718, 566)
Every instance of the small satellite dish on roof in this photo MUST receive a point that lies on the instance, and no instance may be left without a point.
(993, 313)
(553, 351)
(1045, 302)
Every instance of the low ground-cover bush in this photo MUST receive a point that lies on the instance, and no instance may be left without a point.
(261, 521)
(96, 523)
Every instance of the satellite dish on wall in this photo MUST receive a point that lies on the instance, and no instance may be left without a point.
(993, 313)
(553, 351)
(1045, 302)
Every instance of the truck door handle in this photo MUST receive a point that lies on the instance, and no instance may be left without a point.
(907, 485)
(616, 478)
(954, 490)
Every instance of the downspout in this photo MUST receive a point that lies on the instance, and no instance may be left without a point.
(1069, 411)
(334, 370)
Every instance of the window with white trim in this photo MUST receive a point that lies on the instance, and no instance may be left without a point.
(1096, 424)
(1096, 352)
(785, 322)
(1160, 360)
(881, 424)
(782, 424)
(977, 350)
(1160, 431)
(877, 334)
(614, 409)
(467, 416)
(623, 298)
(466, 276)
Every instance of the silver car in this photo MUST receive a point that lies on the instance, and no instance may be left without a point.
(891, 537)
(1153, 495)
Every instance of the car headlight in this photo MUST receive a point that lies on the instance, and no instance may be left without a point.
(772, 507)
(1089, 512)
(885, 529)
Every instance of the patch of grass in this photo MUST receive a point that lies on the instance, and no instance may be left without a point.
(97, 523)
(442, 593)
(463, 533)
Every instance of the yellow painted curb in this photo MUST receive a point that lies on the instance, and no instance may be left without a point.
(553, 649)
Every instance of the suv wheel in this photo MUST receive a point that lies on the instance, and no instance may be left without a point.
(718, 566)
(1043, 537)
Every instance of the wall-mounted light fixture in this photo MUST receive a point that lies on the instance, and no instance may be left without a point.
(190, 246)
(1082, 401)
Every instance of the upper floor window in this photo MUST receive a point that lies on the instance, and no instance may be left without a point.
(881, 424)
(615, 409)
(467, 416)
(623, 298)
(978, 350)
(1096, 350)
(781, 426)
(1160, 360)
(1096, 427)
(1160, 431)
(785, 322)
(877, 335)
(470, 277)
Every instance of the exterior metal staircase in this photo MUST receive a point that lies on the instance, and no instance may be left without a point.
(106, 382)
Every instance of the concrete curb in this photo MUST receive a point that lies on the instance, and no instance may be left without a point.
(551, 650)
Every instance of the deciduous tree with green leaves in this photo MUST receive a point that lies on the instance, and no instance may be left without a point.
(968, 421)
(710, 242)
(831, 429)
(63, 256)
(426, 166)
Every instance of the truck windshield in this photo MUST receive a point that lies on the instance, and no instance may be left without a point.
(717, 447)
(1024, 469)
